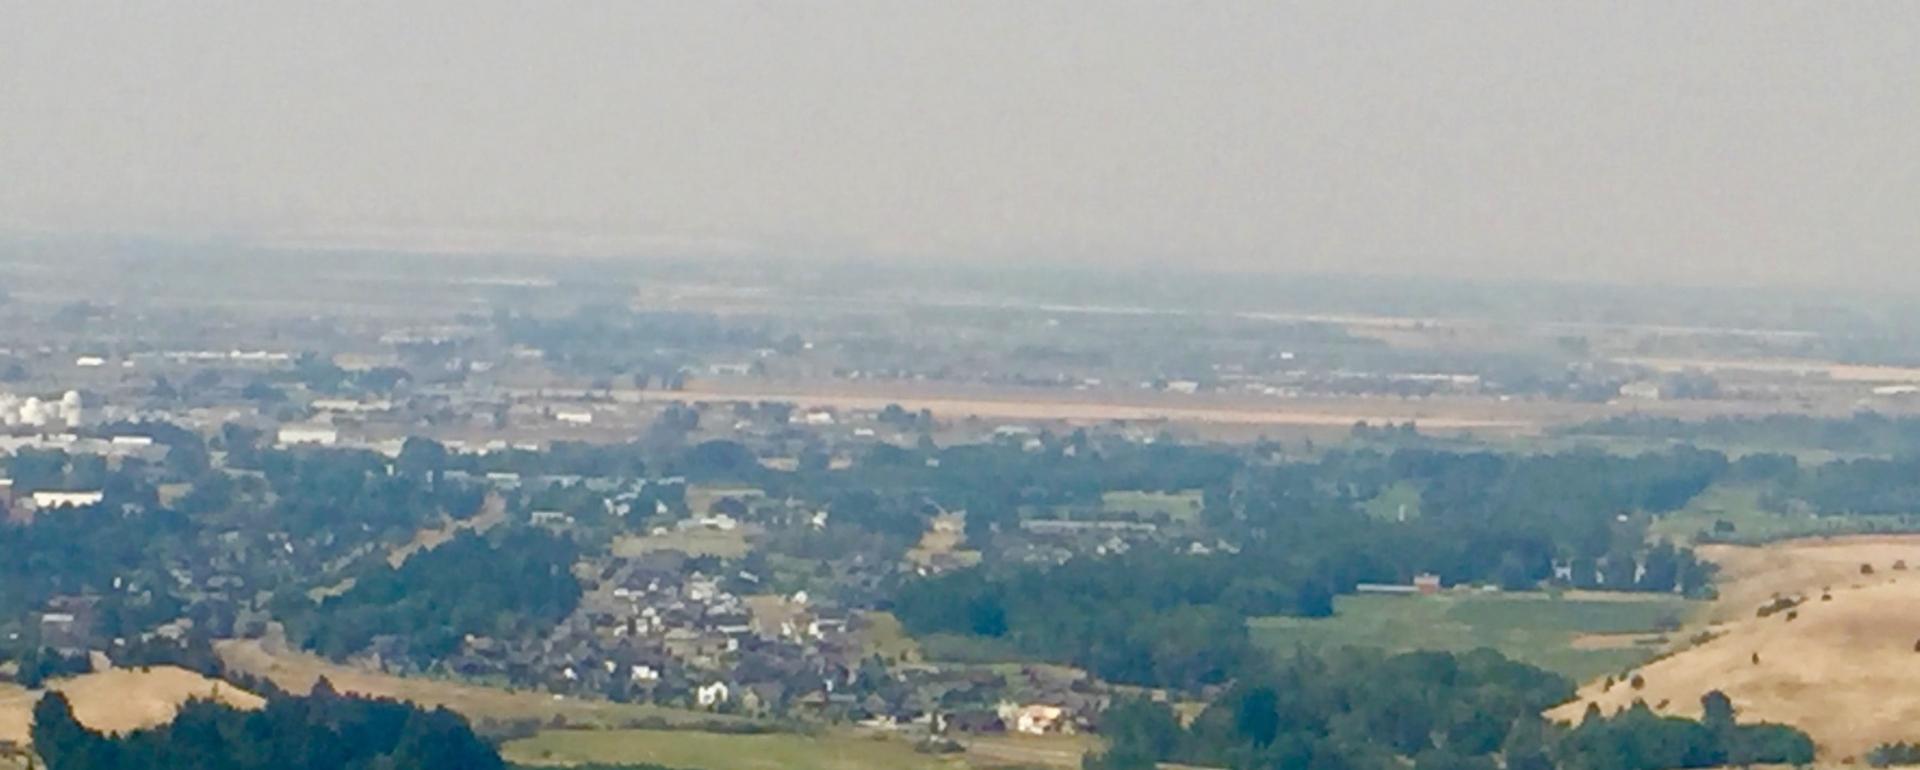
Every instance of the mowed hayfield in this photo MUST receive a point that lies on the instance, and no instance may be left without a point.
(119, 700)
(1578, 635)
(1013, 750)
(297, 671)
(836, 750)
(714, 751)
(1844, 665)
(726, 544)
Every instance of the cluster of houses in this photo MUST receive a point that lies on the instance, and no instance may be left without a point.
(657, 628)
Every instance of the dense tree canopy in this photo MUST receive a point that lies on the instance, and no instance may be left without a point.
(322, 732)
(1148, 617)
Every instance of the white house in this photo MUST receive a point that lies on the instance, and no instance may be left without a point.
(1035, 719)
(718, 521)
(712, 695)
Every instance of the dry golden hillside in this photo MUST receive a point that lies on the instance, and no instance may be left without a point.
(119, 700)
(1845, 668)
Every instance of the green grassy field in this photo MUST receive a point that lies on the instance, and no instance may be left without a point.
(714, 751)
(1740, 507)
(1402, 499)
(1555, 634)
(1179, 506)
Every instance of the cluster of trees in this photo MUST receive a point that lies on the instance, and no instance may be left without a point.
(1888, 483)
(1860, 486)
(339, 490)
(895, 415)
(1639, 739)
(1431, 710)
(511, 585)
(1148, 617)
(84, 551)
(1662, 568)
(1350, 709)
(38, 664)
(324, 730)
(1900, 754)
(1528, 507)
(35, 469)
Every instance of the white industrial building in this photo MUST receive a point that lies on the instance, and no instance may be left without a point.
(312, 435)
(51, 500)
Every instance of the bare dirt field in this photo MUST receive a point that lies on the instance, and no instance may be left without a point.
(1225, 415)
(1091, 408)
(120, 700)
(1844, 668)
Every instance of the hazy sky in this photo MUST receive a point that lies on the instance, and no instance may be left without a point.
(1663, 141)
